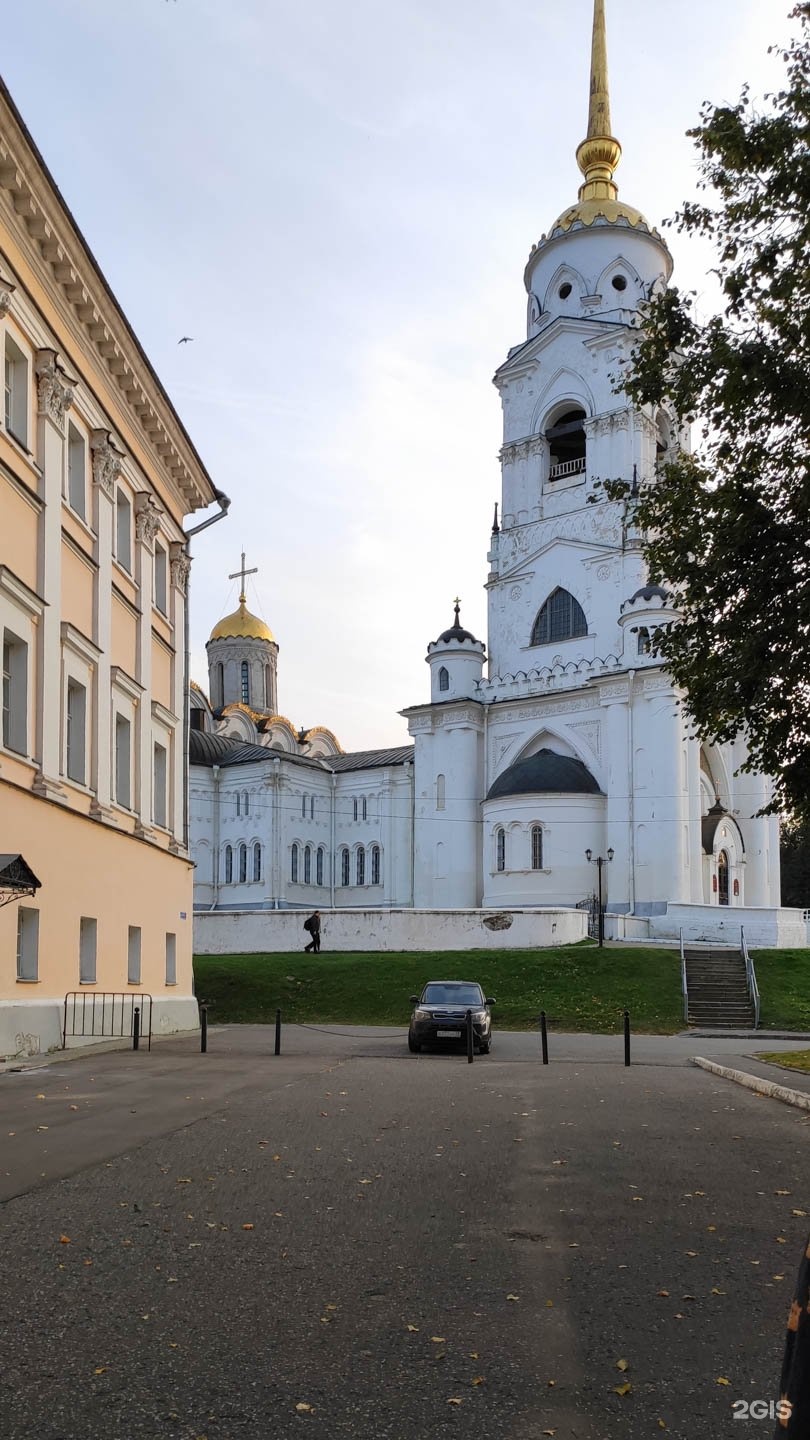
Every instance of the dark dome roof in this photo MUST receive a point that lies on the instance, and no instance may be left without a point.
(546, 772)
(207, 749)
(650, 592)
(456, 631)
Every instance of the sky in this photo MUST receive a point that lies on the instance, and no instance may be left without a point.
(337, 200)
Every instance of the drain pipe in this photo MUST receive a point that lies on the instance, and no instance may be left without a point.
(215, 856)
(224, 504)
(332, 856)
(631, 770)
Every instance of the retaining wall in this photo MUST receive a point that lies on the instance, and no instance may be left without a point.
(238, 932)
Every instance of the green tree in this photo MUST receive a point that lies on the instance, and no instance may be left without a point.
(795, 858)
(729, 525)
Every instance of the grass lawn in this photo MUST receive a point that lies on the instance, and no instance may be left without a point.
(579, 986)
(791, 1059)
(783, 977)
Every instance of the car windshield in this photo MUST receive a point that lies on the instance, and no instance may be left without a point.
(451, 993)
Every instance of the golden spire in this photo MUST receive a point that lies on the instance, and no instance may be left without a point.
(600, 153)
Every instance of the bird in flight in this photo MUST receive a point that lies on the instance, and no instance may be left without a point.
(185, 339)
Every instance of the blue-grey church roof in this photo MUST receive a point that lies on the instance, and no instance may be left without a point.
(545, 773)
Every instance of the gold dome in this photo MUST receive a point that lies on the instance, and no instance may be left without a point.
(242, 626)
(613, 212)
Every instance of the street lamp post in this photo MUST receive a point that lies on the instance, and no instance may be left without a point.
(599, 862)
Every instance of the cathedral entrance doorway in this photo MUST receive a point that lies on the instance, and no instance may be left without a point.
(722, 878)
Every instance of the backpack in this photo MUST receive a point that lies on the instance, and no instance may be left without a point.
(308, 925)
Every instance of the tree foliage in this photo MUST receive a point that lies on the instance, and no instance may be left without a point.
(729, 524)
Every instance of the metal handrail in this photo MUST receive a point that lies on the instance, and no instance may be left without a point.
(684, 987)
(750, 975)
(106, 1014)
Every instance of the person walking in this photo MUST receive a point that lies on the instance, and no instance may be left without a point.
(313, 925)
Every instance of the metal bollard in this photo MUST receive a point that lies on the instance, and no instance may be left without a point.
(469, 1037)
(136, 1027)
(278, 1033)
(627, 1037)
(544, 1036)
(203, 1029)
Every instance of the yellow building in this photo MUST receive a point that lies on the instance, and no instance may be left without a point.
(96, 476)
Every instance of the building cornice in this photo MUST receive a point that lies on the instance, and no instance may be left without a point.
(67, 265)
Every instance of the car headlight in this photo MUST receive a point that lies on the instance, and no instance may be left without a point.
(421, 1015)
(479, 1015)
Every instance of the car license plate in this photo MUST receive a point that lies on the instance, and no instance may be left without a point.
(447, 1034)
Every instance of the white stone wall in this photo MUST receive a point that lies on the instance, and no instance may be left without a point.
(252, 932)
(720, 924)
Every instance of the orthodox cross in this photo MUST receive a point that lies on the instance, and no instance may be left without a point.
(240, 575)
(457, 607)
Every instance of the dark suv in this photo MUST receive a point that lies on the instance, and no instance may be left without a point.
(440, 1013)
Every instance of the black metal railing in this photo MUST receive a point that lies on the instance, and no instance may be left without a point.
(107, 1014)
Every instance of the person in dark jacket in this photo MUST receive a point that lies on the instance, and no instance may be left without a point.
(313, 925)
(793, 1414)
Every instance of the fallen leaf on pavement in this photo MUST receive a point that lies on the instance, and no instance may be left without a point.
(721, 1380)
(455, 1401)
(513, 1297)
(248, 1226)
(622, 1365)
(477, 1380)
(100, 1370)
(413, 1329)
(664, 1292)
(303, 1408)
(624, 1389)
(438, 1340)
(64, 1239)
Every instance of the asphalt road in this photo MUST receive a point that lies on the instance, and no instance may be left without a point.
(409, 1246)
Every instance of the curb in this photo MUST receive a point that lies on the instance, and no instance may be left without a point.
(756, 1083)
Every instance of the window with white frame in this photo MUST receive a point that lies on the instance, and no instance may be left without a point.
(294, 865)
(375, 865)
(360, 866)
(27, 943)
(123, 761)
(500, 849)
(15, 693)
(160, 769)
(319, 866)
(123, 530)
(228, 865)
(239, 802)
(440, 788)
(244, 679)
(344, 866)
(312, 807)
(365, 808)
(355, 807)
(307, 864)
(161, 569)
(246, 803)
(243, 864)
(16, 391)
(444, 678)
(537, 847)
(76, 732)
(77, 471)
(171, 958)
(134, 955)
(257, 862)
(88, 941)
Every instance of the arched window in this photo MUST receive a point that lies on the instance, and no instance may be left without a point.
(319, 866)
(644, 641)
(242, 864)
(228, 865)
(561, 618)
(312, 807)
(344, 866)
(500, 849)
(360, 867)
(439, 792)
(375, 865)
(294, 865)
(722, 878)
(218, 686)
(537, 847)
(307, 864)
(257, 861)
(245, 682)
(355, 807)
(566, 443)
(246, 803)
(444, 679)
(238, 803)
(303, 807)
(365, 808)
(268, 688)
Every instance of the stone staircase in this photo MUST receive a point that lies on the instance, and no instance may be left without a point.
(718, 989)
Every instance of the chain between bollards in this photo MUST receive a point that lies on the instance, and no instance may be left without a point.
(544, 1036)
(627, 1037)
(136, 1027)
(469, 1037)
(277, 1050)
(203, 1029)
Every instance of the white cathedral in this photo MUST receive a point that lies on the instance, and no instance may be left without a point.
(563, 740)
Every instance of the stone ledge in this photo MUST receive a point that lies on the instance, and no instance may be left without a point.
(756, 1083)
